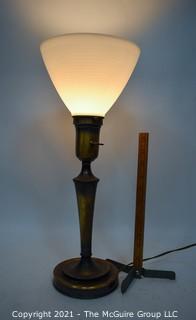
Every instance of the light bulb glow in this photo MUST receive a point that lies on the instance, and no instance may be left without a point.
(89, 71)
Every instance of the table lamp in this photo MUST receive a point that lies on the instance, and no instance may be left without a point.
(89, 72)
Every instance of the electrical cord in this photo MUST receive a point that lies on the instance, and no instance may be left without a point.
(132, 272)
(167, 252)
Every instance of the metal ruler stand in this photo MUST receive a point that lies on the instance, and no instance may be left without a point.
(136, 270)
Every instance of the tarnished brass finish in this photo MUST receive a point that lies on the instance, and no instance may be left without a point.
(87, 136)
(86, 288)
(86, 277)
(86, 185)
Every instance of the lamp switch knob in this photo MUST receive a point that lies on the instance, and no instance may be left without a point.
(96, 143)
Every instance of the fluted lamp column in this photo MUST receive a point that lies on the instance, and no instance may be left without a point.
(89, 71)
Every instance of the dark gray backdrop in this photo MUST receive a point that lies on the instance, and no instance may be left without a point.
(39, 223)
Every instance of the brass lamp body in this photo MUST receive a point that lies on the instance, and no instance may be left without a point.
(86, 277)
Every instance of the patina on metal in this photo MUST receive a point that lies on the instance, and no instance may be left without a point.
(86, 277)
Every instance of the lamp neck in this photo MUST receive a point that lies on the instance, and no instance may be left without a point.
(87, 148)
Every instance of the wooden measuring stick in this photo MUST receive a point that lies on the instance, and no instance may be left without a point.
(140, 200)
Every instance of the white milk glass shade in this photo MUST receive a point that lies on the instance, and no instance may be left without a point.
(89, 71)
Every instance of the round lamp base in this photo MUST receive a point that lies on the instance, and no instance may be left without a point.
(85, 280)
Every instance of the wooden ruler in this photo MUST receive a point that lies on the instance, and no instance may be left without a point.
(140, 200)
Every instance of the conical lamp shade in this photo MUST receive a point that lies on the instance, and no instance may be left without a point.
(89, 71)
